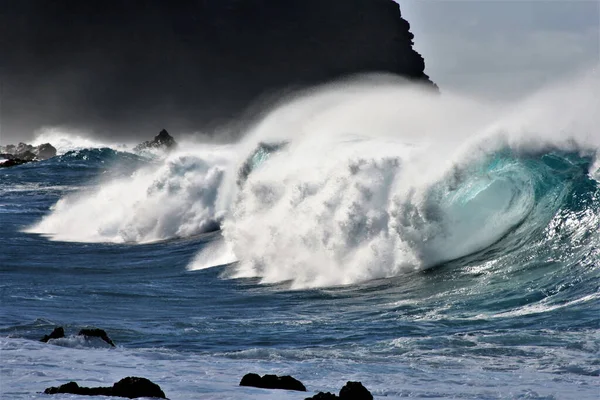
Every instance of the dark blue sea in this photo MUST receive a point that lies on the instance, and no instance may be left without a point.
(429, 247)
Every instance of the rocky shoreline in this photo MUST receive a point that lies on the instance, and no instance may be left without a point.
(134, 387)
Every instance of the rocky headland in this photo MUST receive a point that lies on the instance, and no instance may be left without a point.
(190, 65)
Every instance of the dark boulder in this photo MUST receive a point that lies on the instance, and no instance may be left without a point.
(161, 141)
(45, 151)
(57, 333)
(272, 382)
(355, 391)
(323, 396)
(131, 387)
(74, 388)
(95, 332)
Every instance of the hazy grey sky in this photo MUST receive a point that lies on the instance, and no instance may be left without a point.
(503, 47)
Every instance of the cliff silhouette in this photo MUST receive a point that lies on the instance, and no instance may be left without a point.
(124, 67)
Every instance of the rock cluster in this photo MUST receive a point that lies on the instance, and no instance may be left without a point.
(350, 391)
(131, 387)
(24, 153)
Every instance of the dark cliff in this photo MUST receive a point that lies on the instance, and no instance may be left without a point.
(122, 66)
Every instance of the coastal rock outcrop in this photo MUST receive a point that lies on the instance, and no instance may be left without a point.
(161, 141)
(272, 382)
(131, 387)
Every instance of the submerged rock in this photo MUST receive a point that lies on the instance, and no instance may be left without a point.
(57, 333)
(272, 382)
(162, 140)
(131, 387)
(95, 332)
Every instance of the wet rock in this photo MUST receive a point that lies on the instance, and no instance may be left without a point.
(57, 333)
(95, 332)
(323, 396)
(272, 382)
(161, 141)
(355, 391)
(131, 387)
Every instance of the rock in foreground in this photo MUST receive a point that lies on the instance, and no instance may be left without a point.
(355, 391)
(131, 387)
(272, 382)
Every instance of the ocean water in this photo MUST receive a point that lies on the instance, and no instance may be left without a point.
(428, 246)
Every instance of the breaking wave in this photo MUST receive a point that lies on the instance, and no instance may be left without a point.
(364, 180)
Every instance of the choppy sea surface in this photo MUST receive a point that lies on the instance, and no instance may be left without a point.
(344, 237)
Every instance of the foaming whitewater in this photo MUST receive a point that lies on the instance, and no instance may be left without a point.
(172, 198)
(364, 179)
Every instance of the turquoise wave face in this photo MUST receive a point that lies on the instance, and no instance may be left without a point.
(509, 200)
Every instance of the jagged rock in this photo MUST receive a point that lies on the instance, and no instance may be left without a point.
(323, 396)
(57, 333)
(45, 151)
(131, 387)
(355, 391)
(162, 140)
(272, 382)
(95, 332)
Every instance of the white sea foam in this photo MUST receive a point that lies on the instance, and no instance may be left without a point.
(173, 199)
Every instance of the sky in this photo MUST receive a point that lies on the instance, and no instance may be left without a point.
(496, 49)
(504, 49)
